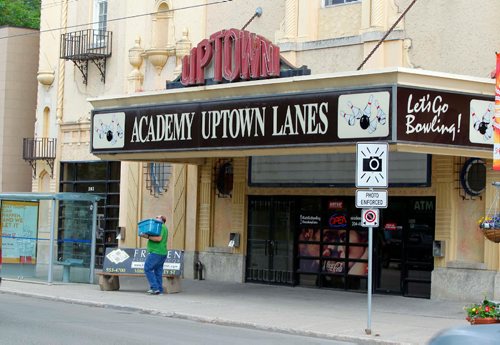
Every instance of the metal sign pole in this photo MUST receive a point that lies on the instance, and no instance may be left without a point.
(368, 329)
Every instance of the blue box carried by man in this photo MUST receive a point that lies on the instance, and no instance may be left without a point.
(151, 227)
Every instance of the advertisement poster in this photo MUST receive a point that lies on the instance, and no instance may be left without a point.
(309, 251)
(131, 260)
(19, 228)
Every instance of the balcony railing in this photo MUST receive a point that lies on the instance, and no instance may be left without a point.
(87, 45)
(35, 149)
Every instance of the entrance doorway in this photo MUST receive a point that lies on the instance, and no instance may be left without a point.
(270, 240)
(403, 247)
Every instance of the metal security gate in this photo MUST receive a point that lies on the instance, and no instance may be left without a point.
(270, 241)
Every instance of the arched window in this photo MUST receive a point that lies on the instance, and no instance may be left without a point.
(46, 122)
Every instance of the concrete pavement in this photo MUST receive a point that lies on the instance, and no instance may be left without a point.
(322, 313)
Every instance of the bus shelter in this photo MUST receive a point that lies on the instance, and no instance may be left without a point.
(48, 236)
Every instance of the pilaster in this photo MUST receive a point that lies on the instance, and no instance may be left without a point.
(179, 206)
(239, 200)
(205, 237)
(446, 204)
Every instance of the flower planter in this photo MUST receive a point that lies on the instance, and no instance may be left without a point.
(482, 320)
(492, 234)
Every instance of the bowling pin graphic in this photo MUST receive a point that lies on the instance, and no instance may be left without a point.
(355, 110)
(381, 116)
(349, 118)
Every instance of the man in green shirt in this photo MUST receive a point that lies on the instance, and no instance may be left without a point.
(157, 253)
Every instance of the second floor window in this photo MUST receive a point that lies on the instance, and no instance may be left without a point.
(100, 19)
(337, 2)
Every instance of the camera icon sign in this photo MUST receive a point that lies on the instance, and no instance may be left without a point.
(371, 165)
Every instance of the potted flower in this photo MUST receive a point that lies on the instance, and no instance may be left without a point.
(490, 226)
(484, 312)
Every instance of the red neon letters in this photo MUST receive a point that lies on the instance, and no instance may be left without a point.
(235, 54)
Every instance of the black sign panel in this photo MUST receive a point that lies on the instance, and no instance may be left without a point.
(287, 120)
(131, 261)
(432, 116)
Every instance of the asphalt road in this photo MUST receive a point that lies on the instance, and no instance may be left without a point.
(26, 320)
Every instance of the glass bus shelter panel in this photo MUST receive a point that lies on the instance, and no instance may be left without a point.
(74, 241)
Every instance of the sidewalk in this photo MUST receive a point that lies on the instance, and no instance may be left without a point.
(312, 312)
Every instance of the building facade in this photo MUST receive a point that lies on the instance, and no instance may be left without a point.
(18, 72)
(240, 121)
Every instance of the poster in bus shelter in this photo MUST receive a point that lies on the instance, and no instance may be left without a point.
(18, 229)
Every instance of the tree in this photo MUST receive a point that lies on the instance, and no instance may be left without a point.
(22, 13)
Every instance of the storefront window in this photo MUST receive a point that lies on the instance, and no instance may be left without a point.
(331, 246)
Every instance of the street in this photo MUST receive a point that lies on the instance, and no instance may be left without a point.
(26, 320)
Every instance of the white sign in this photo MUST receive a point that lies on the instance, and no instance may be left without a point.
(371, 199)
(108, 131)
(371, 165)
(369, 217)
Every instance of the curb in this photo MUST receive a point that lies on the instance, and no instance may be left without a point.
(215, 321)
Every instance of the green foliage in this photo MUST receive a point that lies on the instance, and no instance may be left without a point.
(22, 13)
(482, 310)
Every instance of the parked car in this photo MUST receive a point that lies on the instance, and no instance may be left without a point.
(469, 335)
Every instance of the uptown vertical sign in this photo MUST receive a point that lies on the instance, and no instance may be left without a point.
(234, 55)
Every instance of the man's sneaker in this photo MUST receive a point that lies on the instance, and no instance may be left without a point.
(154, 292)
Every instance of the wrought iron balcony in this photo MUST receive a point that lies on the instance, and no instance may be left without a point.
(87, 45)
(35, 149)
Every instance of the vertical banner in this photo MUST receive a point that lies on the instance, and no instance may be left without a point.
(496, 122)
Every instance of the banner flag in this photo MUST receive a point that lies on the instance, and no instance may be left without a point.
(496, 119)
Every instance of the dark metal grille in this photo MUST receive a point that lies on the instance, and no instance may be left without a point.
(86, 44)
(39, 148)
(35, 149)
(157, 176)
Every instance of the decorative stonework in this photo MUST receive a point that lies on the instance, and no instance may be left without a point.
(46, 78)
(135, 58)
(159, 56)
(182, 48)
(75, 141)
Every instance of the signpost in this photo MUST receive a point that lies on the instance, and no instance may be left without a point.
(371, 172)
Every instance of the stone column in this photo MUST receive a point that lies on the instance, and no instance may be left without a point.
(291, 19)
(377, 14)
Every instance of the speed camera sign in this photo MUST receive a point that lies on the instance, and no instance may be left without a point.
(371, 165)
(369, 217)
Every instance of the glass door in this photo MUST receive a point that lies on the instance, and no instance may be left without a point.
(270, 241)
(403, 247)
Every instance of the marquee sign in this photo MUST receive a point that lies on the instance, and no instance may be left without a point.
(288, 120)
(302, 119)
